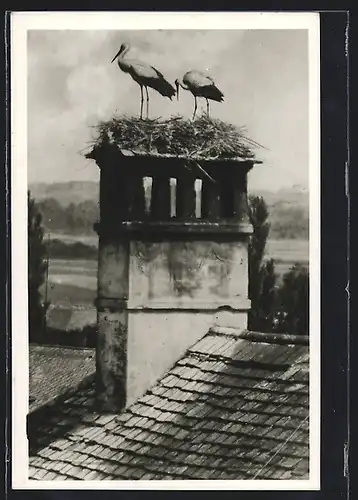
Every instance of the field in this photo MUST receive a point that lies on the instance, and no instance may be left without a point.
(286, 253)
(71, 290)
(74, 282)
(75, 238)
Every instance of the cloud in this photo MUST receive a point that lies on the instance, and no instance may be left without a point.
(72, 85)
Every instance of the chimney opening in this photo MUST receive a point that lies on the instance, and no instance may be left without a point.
(147, 185)
(173, 200)
(197, 186)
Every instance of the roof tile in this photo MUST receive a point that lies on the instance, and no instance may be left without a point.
(38, 473)
(50, 476)
(229, 409)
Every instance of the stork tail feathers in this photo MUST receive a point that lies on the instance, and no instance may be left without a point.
(214, 94)
(163, 87)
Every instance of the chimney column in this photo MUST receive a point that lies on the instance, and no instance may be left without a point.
(164, 281)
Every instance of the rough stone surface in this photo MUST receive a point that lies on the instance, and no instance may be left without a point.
(206, 272)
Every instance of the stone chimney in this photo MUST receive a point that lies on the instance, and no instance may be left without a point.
(165, 278)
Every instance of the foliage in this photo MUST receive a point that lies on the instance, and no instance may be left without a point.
(79, 337)
(202, 138)
(288, 217)
(78, 250)
(292, 302)
(75, 218)
(281, 309)
(36, 268)
(289, 223)
(262, 314)
(257, 244)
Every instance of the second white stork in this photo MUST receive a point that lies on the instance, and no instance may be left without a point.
(145, 75)
(200, 85)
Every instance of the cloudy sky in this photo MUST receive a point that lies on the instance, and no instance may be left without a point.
(262, 73)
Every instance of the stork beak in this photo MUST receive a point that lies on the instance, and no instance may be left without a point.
(177, 86)
(115, 57)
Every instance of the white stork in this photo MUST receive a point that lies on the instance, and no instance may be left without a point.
(200, 85)
(145, 75)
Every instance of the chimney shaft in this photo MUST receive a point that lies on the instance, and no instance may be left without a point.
(163, 281)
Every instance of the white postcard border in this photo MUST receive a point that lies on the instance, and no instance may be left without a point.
(21, 22)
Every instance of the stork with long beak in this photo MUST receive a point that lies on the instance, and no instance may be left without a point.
(199, 85)
(145, 75)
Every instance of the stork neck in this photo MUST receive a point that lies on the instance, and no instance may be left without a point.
(123, 53)
(182, 84)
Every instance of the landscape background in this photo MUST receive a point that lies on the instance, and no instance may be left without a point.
(69, 210)
(72, 87)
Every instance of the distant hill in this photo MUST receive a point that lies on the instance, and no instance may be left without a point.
(66, 192)
(285, 197)
(289, 212)
(78, 191)
(72, 207)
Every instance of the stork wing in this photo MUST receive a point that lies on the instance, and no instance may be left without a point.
(197, 79)
(142, 70)
(158, 72)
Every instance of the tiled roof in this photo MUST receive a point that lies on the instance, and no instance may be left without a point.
(55, 370)
(231, 408)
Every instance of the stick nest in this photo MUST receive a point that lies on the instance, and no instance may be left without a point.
(204, 138)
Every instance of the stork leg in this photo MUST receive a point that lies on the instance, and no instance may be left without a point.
(207, 107)
(195, 107)
(141, 101)
(146, 89)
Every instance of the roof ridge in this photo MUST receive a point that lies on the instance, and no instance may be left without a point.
(61, 346)
(264, 337)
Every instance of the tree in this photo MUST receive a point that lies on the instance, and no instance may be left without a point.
(53, 214)
(266, 306)
(36, 268)
(258, 217)
(282, 309)
(75, 218)
(262, 278)
(71, 217)
(292, 315)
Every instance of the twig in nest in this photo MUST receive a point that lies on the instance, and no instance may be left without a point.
(202, 169)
